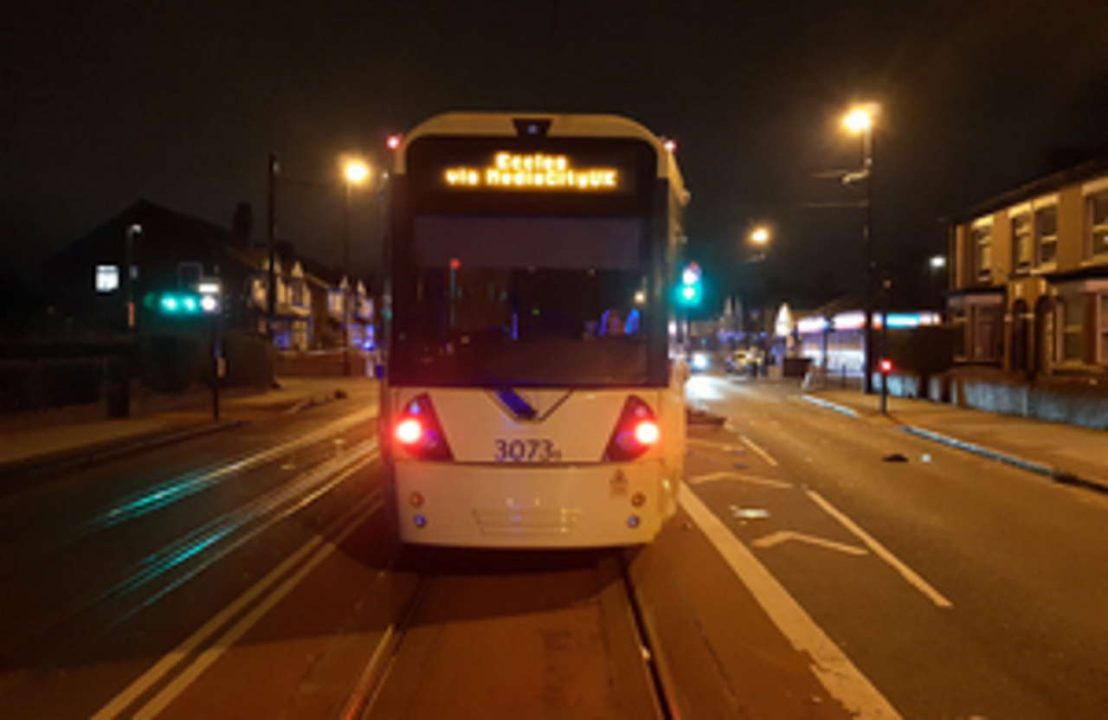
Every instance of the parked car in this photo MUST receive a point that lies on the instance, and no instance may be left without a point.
(743, 360)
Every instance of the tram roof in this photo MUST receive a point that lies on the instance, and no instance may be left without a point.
(505, 124)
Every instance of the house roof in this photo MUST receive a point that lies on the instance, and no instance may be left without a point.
(106, 241)
(1041, 185)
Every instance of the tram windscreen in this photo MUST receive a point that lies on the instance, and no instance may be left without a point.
(532, 301)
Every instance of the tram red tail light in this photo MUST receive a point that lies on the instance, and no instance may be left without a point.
(418, 432)
(636, 432)
(646, 432)
(409, 431)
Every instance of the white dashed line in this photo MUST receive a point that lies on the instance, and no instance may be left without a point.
(882, 552)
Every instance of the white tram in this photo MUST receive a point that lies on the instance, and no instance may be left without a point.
(530, 398)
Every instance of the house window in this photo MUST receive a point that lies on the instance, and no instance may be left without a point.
(982, 243)
(106, 278)
(1098, 222)
(189, 274)
(1046, 234)
(1023, 244)
(986, 335)
(1072, 312)
(958, 320)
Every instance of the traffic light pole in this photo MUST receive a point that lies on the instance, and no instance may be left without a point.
(215, 366)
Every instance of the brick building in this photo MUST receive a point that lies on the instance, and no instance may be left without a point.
(1029, 277)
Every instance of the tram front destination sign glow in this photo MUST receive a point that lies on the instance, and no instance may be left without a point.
(533, 171)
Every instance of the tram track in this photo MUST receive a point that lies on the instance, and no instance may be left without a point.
(420, 638)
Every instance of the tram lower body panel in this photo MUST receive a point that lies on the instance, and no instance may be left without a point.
(485, 505)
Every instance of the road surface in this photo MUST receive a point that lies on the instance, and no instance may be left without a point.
(821, 566)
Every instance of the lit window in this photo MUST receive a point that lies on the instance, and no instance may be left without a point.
(982, 244)
(1098, 222)
(1046, 234)
(1023, 245)
(107, 278)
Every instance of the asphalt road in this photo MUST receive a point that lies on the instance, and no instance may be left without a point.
(253, 574)
(958, 586)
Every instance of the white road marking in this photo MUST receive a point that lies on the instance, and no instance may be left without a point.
(225, 641)
(783, 536)
(132, 692)
(724, 447)
(739, 477)
(831, 666)
(758, 450)
(751, 513)
(910, 575)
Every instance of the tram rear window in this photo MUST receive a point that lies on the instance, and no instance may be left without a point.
(541, 302)
(568, 243)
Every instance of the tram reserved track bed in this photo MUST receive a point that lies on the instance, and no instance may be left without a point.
(506, 634)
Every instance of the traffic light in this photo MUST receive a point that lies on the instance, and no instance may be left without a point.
(885, 365)
(179, 303)
(691, 289)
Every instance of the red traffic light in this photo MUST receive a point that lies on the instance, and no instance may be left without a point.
(885, 365)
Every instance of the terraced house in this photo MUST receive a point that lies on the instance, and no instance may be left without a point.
(1029, 277)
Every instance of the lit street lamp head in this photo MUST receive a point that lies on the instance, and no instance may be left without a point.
(860, 119)
(355, 171)
(938, 262)
(760, 236)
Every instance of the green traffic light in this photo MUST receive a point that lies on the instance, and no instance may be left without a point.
(179, 304)
(689, 295)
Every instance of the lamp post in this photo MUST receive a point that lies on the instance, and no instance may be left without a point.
(355, 173)
(758, 238)
(860, 120)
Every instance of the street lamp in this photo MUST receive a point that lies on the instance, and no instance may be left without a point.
(760, 236)
(937, 262)
(861, 120)
(355, 173)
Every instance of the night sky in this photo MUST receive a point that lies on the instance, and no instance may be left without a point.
(180, 102)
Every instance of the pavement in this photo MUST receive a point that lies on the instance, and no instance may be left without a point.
(1066, 453)
(62, 441)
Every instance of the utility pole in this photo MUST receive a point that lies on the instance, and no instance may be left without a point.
(133, 232)
(271, 230)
